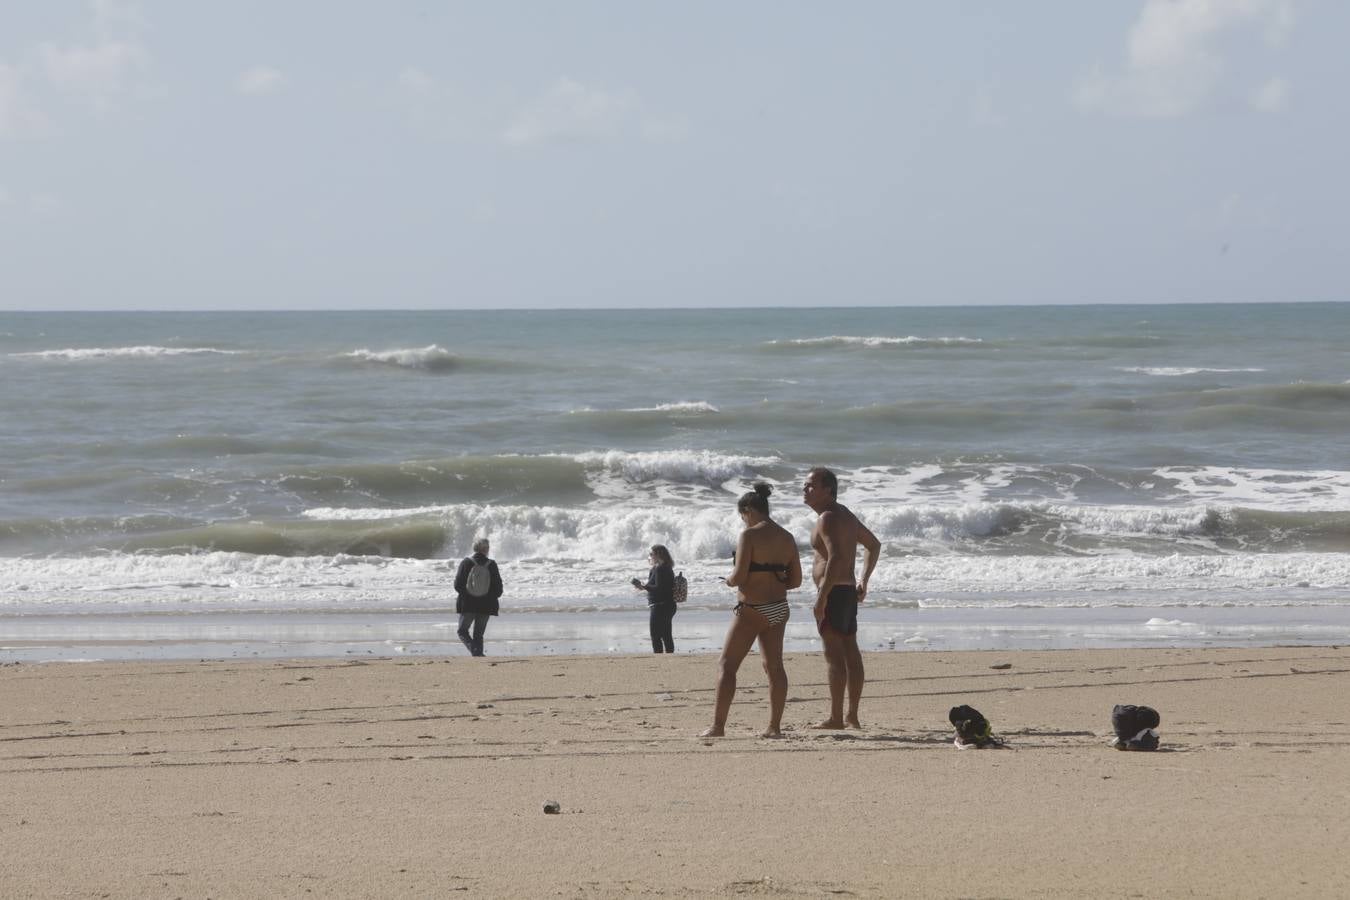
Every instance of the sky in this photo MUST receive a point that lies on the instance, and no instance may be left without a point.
(334, 154)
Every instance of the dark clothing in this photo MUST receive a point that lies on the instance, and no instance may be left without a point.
(473, 641)
(841, 610)
(661, 621)
(661, 603)
(779, 570)
(468, 604)
(661, 587)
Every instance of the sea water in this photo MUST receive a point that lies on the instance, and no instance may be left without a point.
(274, 483)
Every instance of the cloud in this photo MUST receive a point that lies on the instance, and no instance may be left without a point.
(569, 111)
(100, 72)
(45, 205)
(260, 80)
(663, 130)
(1172, 61)
(415, 81)
(1271, 96)
(112, 16)
(18, 117)
(104, 70)
(984, 112)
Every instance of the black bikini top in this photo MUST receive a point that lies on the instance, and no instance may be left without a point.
(779, 570)
(767, 567)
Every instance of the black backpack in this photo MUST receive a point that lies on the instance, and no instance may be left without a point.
(972, 728)
(1134, 727)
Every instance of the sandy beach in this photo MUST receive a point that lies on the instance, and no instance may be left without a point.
(429, 777)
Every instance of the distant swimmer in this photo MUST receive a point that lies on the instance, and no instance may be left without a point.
(478, 590)
(835, 541)
(767, 567)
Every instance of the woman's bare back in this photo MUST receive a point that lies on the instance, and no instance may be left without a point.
(767, 543)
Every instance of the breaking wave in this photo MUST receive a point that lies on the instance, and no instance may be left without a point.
(80, 354)
(911, 342)
(427, 359)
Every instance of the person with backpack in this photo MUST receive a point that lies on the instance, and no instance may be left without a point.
(478, 587)
(660, 588)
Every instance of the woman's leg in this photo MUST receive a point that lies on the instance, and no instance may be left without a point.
(654, 626)
(740, 637)
(667, 628)
(771, 648)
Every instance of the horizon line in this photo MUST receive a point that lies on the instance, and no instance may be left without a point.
(536, 309)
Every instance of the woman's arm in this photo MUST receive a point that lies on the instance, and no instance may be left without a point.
(742, 570)
(794, 572)
(663, 585)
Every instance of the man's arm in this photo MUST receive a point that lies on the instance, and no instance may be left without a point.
(872, 552)
(828, 525)
(462, 576)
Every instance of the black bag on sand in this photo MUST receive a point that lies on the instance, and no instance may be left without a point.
(1134, 727)
(972, 728)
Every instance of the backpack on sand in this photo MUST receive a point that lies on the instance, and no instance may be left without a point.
(479, 582)
(1134, 727)
(681, 588)
(972, 729)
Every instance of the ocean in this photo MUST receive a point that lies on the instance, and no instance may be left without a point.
(304, 483)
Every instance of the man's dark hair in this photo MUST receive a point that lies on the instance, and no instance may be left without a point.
(827, 478)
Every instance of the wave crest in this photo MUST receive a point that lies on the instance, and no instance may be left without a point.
(1176, 371)
(78, 354)
(432, 358)
(681, 466)
(910, 342)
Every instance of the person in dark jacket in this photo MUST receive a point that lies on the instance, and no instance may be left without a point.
(660, 588)
(474, 609)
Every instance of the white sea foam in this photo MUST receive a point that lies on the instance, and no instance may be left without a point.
(844, 340)
(1262, 488)
(682, 466)
(430, 358)
(681, 408)
(691, 406)
(146, 352)
(1174, 371)
(700, 531)
(241, 581)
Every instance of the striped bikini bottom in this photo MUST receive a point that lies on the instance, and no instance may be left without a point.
(776, 613)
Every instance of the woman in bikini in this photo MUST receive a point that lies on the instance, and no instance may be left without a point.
(767, 567)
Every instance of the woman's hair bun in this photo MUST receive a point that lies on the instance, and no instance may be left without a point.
(764, 490)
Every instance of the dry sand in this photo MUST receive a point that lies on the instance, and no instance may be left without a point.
(428, 778)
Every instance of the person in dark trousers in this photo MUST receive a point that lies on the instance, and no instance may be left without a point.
(478, 587)
(660, 588)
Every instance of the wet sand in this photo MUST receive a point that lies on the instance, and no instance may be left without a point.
(428, 777)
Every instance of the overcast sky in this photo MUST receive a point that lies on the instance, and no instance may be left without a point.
(295, 154)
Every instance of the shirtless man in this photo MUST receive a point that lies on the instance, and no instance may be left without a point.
(835, 540)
